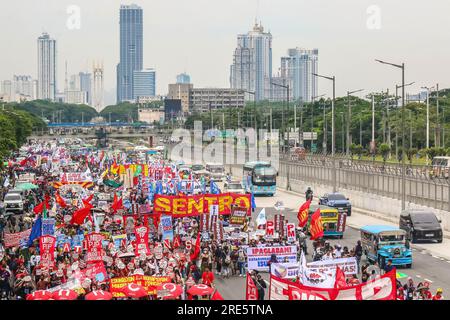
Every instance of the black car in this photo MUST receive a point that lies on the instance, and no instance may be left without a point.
(421, 225)
(338, 201)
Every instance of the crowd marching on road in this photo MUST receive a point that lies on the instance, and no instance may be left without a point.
(109, 224)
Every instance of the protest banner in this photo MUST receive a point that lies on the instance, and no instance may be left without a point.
(14, 239)
(94, 247)
(204, 222)
(119, 241)
(270, 228)
(96, 272)
(348, 265)
(141, 245)
(48, 226)
(290, 232)
(167, 227)
(258, 257)
(251, 292)
(238, 216)
(47, 249)
(150, 283)
(185, 206)
(382, 288)
(285, 270)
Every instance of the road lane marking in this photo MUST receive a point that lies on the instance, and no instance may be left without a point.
(418, 276)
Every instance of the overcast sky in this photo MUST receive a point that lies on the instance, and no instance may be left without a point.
(199, 37)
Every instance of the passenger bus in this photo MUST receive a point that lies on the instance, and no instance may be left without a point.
(260, 178)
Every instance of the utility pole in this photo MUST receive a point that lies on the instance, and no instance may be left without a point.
(438, 124)
(349, 120)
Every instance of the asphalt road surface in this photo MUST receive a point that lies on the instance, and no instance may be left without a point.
(425, 266)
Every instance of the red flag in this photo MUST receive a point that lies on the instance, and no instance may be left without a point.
(87, 201)
(60, 200)
(316, 226)
(79, 215)
(196, 248)
(117, 204)
(64, 178)
(340, 282)
(303, 214)
(40, 207)
(216, 296)
(251, 292)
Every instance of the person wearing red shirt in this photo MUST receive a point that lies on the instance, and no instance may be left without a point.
(207, 277)
(438, 295)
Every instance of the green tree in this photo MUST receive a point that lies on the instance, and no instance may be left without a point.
(410, 153)
(384, 150)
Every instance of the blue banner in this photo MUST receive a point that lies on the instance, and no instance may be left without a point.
(48, 226)
(167, 227)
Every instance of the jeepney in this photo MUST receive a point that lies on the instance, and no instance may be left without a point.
(333, 221)
(383, 243)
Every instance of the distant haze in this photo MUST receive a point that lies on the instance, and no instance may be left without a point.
(199, 37)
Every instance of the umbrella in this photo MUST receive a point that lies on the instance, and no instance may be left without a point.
(200, 290)
(170, 290)
(65, 294)
(133, 290)
(40, 295)
(99, 295)
(26, 186)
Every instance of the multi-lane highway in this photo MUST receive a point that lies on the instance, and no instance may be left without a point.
(426, 266)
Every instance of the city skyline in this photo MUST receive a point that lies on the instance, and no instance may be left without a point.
(347, 46)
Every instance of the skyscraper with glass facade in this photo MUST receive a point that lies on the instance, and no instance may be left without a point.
(298, 68)
(252, 63)
(46, 68)
(131, 50)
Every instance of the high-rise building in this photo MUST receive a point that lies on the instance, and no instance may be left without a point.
(202, 99)
(47, 80)
(183, 78)
(23, 87)
(252, 63)
(181, 91)
(298, 68)
(131, 50)
(86, 85)
(144, 83)
(98, 101)
(6, 90)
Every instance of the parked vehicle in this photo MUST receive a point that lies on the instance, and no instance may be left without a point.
(217, 171)
(13, 202)
(337, 200)
(441, 167)
(421, 225)
(234, 187)
(383, 243)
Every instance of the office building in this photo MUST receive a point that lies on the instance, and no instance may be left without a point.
(151, 115)
(181, 91)
(252, 63)
(86, 86)
(183, 78)
(131, 50)
(144, 83)
(298, 68)
(202, 99)
(47, 79)
(172, 110)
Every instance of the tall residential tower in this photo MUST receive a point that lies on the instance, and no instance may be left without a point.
(252, 63)
(47, 86)
(131, 50)
(297, 68)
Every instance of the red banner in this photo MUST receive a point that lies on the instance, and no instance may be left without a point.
(382, 288)
(94, 247)
(186, 206)
(251, 292)
(141, 241)
(150, 283)
(47, 249)
(13, 239)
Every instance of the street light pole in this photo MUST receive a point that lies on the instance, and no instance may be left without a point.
(283, 112)
(402, 67)
(349, 134)
(428, 118)
(333, 136)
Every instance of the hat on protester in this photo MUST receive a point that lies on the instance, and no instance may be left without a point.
(439, 290)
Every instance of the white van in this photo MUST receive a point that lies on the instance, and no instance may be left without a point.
(441, 167)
